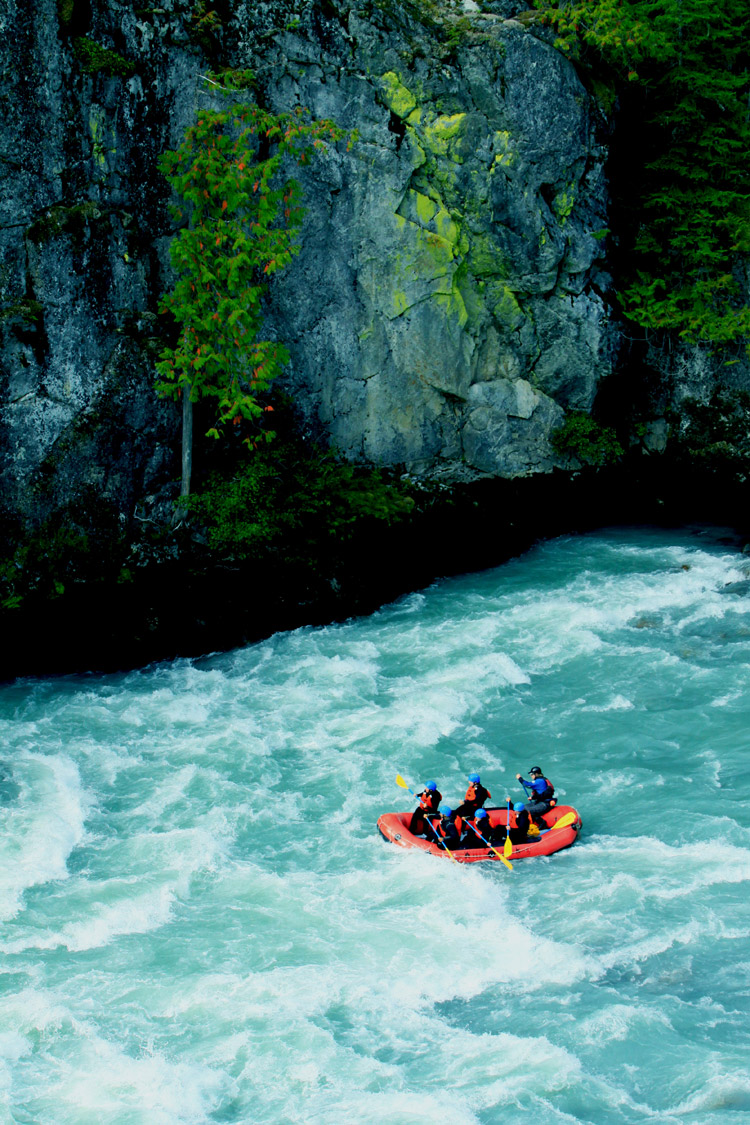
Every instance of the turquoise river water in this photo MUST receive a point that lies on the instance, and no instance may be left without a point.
(200, 923)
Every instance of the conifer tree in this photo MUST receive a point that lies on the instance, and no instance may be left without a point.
(242, 214)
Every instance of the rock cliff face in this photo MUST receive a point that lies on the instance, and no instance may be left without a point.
(449, 303)
(450, 300)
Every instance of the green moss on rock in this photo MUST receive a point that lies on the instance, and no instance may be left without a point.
(398, 98)
(61, 219)
(26, 311)
(94, 59)
(441, 135)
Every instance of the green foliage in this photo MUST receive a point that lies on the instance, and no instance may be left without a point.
(294, 499)
(65, 9)
(716, 434)
(27, 311)
(683, 69)
(100, 60)
(585, 440)
(205, 25)
(243, 214)
(40, 565)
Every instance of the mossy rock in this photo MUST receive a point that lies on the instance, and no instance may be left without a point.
(26, 311)
(61, 220)
(94, 59)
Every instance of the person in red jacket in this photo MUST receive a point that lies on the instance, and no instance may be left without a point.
(475, 797)
(429, 802)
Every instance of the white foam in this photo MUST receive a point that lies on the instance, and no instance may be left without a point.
(105, 909)
(105, 1083)
(616, 703)
(41, 828)
(620, 1022)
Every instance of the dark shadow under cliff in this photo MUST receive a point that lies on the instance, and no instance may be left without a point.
(201, 602)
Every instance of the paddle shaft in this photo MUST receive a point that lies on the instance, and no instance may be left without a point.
(400, 781)
(489, 845)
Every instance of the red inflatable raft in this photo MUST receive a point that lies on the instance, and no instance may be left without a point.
(394, 828)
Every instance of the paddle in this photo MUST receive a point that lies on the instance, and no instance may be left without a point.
(564, 821)
(400, 781)
(507, 846)
(499, 855)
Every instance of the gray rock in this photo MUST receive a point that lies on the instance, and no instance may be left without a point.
(449, 302)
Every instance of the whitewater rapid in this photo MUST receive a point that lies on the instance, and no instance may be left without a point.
(199, 922)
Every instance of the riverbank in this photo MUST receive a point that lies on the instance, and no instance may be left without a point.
(190, 600)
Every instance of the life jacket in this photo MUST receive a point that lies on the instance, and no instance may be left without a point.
(475, 836)
(446, 828)
(548, 793)
(429, 800)
(477, 795)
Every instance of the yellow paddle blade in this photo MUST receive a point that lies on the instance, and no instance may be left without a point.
(400, 781)
(565, 821)
(507, 847)
(502, 858)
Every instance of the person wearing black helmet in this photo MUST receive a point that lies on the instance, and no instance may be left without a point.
(429, 801)
(541, 792)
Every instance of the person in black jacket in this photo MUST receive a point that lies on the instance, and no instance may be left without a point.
(445, 830)
(429, 802)
(476, 795)
(518, 835)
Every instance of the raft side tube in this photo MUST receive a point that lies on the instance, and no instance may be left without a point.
(393, 827)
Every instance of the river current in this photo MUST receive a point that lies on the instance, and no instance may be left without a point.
(200, 922)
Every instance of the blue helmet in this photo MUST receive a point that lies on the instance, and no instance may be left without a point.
(431, 785)
(480, 814)
(474, 777)
(445, 810)
(519, 807)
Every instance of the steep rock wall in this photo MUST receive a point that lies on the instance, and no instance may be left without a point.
(451, 299)
(449, 302)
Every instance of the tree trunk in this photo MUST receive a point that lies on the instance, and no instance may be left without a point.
(187, 441)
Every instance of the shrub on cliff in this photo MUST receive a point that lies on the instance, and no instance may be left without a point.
(297, 500)
(584, 440)
(681, 72)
